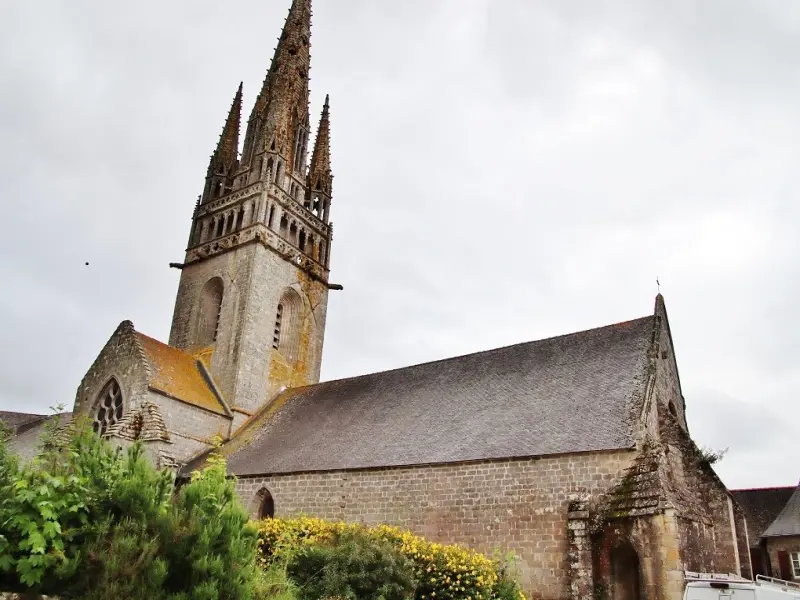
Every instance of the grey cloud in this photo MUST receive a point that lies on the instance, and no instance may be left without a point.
(505, 171)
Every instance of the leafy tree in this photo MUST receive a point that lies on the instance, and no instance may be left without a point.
(86, 520)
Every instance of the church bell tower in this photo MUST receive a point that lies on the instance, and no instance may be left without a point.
(253, 292)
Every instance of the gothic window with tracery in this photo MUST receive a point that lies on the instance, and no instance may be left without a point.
(109, 408)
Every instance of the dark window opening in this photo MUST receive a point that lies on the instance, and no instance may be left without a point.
(283, 227)
(240, 220)
(276, 337)
(220, 226)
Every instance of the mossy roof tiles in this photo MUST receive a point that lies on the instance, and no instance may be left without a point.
(572, 393)
(177, 374)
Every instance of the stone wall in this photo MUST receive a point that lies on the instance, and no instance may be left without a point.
(191, 429)
(122, 359)
(518, 505)
(244, 365)
(787, 544)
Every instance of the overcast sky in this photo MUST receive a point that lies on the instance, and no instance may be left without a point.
(506, 170)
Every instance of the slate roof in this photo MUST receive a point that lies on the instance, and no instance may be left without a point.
(15, 420)
(178, 374)
(572, 393)
(788, 520)
(760, 507)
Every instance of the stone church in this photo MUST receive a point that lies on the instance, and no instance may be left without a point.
(573, 452)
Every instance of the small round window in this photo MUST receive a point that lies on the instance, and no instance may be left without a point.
(109, 408)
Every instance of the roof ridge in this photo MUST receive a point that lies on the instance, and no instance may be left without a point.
(788, 520)
(765, 489)
(478, 353)
(143, 355)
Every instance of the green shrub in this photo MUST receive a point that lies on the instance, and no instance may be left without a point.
(352, 565)
(87, 521)
(442, 572)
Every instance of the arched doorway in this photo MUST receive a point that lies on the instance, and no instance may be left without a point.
(263, 505)
(625, 573)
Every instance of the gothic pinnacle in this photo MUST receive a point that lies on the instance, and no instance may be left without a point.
(228, 146)
(319, 173)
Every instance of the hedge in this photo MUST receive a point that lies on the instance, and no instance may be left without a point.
(443, 572)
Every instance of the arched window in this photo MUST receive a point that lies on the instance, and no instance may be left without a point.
(270, 165)
(209, 312)
(108, 408)
(218, 189)
(284, 227)
(220, 225)
(279, 175)
(287, 325)
(301, 241)
(240, 219)
(271, 216)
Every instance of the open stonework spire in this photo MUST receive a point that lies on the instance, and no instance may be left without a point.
(228, 147)
(319, 186)
(225, 161)
(319, 174)
(280, 113)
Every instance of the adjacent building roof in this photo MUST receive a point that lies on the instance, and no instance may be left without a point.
(761, 506)
(788, 520)
(17, 420)
(179, 375)
(567, 394)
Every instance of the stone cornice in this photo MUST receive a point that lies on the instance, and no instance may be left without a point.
(258, 233)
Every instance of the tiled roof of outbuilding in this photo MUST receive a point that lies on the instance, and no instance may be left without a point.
(760, 507)
(572, 393)
(788, 520)
(177, 374)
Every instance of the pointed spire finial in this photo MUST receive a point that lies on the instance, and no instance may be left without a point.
(285, 87)
(320, 177)
(228, 147)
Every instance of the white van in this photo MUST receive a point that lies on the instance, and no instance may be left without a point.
(717, 586)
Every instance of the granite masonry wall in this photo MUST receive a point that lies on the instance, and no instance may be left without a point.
(786, 544)
(244, 364)
(191, 429)
(519, 505)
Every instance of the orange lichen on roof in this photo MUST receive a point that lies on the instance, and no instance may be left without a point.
(177, 374)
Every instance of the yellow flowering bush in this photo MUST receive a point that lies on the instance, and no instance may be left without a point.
(443, 572)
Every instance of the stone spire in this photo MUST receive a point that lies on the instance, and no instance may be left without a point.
(281, 107)
(319, 186)
(225, 160)
(319, 174)
(228, 147)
